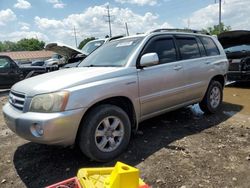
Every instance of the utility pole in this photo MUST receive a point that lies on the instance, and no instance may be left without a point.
(75, 36)
(109, 21)
(188, 23)
(220, 24)
(126, 25)
(220, 17)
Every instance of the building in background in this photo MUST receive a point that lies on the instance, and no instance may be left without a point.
(28, 56)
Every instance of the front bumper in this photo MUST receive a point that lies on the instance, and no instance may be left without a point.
(57, 128)
(238, 75)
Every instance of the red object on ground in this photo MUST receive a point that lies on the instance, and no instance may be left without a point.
(69, 183)
(144, 186)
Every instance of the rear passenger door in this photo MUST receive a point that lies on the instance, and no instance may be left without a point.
(195, 68)
(161, 86)
(197, 57)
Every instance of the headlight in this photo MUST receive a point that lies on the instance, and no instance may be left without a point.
(51, 102)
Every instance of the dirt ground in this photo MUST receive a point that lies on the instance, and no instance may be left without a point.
(184, 148)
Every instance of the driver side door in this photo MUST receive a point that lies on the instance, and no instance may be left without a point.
(161, 86)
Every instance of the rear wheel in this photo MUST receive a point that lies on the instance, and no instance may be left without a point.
(213, 98)
(105, 133)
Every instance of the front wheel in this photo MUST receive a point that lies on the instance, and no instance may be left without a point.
(105, 133)
(213, 98)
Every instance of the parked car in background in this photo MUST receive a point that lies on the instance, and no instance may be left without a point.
(126, 81)
(11, 72)
(69, 53)
(85, 51)
(93, 45)
(55, 60)
(38, 63)
(74, 56)
(237, 47)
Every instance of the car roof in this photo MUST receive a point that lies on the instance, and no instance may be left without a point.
(155, 33)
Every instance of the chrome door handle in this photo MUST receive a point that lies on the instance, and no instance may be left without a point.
(178, 67)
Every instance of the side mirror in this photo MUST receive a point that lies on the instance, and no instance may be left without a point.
(149, 59)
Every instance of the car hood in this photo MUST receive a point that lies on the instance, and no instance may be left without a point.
(63, 49)
(234, 38)
(66, 78)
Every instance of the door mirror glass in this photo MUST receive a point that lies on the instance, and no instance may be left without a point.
(149, 59)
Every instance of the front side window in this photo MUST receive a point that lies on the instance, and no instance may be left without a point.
(165, 49)
(113, 54)
(210, 46)
(4, 63)
(188, 48)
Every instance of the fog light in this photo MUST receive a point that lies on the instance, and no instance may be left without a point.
(37, 130)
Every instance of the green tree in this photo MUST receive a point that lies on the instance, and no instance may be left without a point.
(215, 30)
(9, 46)
(85, 41)
(22, 45)
(30, 44)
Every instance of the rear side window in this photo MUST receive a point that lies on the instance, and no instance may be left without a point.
(165, 49)
(201, 47)
(210, 46)
(188, 48)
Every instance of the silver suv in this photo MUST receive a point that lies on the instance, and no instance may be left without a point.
(122, 83)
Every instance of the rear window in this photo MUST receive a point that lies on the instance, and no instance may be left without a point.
(188, 48)
(210, 46)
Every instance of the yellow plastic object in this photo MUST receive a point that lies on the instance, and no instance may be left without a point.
(120, 176)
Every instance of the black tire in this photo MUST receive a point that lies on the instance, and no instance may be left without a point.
(87, 139)
(206, 104)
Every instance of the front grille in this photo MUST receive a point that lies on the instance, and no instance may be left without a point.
(17, 100)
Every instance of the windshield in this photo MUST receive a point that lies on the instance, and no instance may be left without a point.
(92, 46)
(112, 54)
(56, 56)
(238, 48)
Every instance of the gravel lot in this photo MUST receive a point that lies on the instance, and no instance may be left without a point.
(184, 148)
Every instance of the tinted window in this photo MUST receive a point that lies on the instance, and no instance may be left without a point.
(201, 47)
(164, 48)
(188, 48)
(4, 63)
(210, 46)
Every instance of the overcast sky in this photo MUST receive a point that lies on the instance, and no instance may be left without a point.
(54, 20)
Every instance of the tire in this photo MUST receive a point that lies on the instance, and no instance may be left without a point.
(212, 100)
(98, 138)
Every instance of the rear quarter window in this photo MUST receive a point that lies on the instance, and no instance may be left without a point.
(210, 46)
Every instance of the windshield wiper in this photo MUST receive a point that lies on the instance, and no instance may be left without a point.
(90, 65)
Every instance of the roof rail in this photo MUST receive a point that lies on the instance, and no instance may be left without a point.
(115, 37)
(179, 30)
